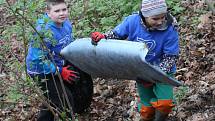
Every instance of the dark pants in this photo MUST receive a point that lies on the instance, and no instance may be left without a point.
(51, 86)
(79, 93)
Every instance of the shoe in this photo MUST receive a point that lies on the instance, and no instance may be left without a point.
(159, 116)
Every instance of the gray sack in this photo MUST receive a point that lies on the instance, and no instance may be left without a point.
(114, 59)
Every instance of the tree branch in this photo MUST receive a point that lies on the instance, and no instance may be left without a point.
(44, 47)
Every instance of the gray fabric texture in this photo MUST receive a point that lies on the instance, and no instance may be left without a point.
(115, 59)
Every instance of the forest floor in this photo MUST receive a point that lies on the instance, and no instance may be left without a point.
(113, 99)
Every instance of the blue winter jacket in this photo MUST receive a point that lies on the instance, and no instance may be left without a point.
(159, 42)
(38, 59)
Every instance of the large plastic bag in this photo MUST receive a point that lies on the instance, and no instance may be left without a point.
(114, 59)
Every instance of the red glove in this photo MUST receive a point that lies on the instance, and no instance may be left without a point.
(147, 84)
(97, 36)
(144, 83)
(69, 75)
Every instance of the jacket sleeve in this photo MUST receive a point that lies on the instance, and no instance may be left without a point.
(111, 35)
(168, 62)
(171, 52)
(39, 52)
(121, 31)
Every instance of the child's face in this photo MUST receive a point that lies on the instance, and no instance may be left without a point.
(58, 13)
(155, 21)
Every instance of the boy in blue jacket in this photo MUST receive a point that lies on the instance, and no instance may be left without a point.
(44, 61)
(154, 26)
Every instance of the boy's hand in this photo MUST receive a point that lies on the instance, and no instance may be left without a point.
(69, 75)
(96, 37)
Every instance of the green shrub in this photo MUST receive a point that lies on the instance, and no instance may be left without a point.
(175, 6)
(99, 15)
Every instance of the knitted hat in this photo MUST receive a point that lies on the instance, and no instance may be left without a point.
(153, 7)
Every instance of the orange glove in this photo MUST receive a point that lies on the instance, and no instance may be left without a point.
(69, 75)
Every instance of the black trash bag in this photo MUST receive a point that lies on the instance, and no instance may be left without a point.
(81, 90)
